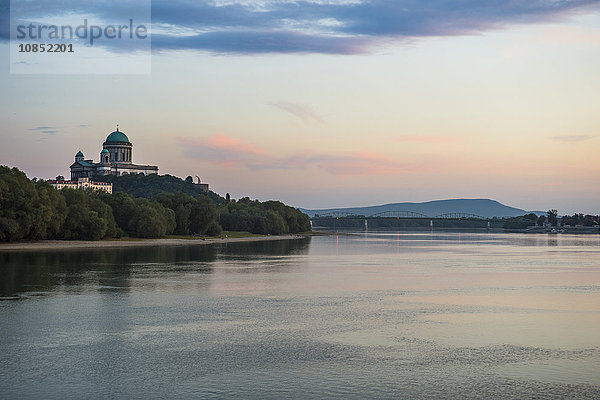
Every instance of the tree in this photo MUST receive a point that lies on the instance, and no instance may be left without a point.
(521, 222)
(182, 219)
(20, 216)
(123, 207)
(151, 219)
(88, 218)
(589, 220)
(541, 220)
(202, 214)
(192, 215)
(552, 217)
(53, 211)
(275, 223)
(189, 180)
(530, 217)
(60, 178)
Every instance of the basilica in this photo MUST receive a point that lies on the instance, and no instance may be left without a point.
(115, 159)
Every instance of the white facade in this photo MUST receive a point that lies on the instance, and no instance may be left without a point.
(82, 183)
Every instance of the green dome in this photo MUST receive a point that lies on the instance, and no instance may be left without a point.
(79, 154)
(117, 136)
(104, 151)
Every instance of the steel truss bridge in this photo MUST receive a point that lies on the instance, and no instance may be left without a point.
(402, 214)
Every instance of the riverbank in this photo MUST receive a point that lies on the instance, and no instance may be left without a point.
(570, 230)
(82, 244)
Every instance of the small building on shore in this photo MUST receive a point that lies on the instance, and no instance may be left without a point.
(81, 183)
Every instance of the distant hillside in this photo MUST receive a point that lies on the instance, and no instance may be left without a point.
(149, 186)
(482, 207)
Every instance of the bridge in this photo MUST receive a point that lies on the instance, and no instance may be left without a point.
(460, 216)
(398, 214)
(337, 214)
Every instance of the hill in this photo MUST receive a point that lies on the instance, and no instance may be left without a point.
(483, 207)
(150, 186)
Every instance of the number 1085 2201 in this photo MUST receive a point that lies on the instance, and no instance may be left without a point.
(45, 48)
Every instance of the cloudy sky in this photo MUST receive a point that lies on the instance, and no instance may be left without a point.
(328, 103)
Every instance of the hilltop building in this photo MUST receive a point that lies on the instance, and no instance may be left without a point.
(82, 183)
(115, 159)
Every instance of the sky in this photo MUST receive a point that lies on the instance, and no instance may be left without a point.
(329, 103)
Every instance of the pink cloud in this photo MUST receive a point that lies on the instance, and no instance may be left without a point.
(232, 144)
(223, 150)
(235, 153)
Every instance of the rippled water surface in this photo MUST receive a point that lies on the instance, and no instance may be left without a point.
(379, 315)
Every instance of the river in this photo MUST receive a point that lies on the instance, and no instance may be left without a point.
(352, 316)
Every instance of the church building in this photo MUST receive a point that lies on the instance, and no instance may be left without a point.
(115, 159)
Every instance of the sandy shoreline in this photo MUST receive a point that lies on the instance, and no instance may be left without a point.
(81, 244)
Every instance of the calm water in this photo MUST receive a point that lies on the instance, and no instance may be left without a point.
(395, 315)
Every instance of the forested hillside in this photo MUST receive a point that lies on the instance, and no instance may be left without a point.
(150, 186)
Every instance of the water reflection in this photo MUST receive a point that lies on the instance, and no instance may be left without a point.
(108, 268)
(268, 247)
(112, 269)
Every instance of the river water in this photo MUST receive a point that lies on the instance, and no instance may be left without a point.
(367, 315)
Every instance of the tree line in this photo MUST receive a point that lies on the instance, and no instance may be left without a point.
(272, 217)
(552, 219)
(579, 219)
(35, 210)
